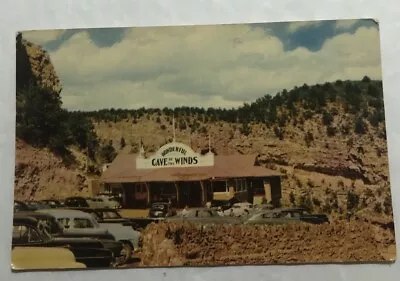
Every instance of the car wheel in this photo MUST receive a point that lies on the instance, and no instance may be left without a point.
(127, 250)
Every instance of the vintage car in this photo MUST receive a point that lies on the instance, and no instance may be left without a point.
(75, 221)
(52, 203)
(161, 210)
(76, 201)
(104, 201)
(43, 258)
(239, 209)
(223, 204)
(87, 251)
(203, 216)
(113, 216)
(21, 206)
(286, 216)
(48, 223)
(36, 205)
(106, 215)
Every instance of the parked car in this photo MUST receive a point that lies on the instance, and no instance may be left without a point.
(76, 201)
(239, 209)
(52, 203)
(223, 204)
(285, 216)
(161, 210)
(104, 201)
(106, 215)
(75, 221)
(36, 205)
(86, 251)
(203, 216)
(21, 206)
(48, 223)
(43, 258)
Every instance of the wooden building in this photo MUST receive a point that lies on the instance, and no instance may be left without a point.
(177, 173)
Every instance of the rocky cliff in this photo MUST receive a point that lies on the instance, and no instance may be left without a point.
(39, 173)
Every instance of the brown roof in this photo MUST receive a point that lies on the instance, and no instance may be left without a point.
(123, 170)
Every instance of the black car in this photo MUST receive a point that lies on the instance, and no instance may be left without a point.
(224, 204)
(76, 201)
(20, 206)
(161, 210)
(87, 251)
(52, 203)
(48, 225)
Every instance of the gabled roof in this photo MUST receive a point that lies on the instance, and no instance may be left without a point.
(123, 170)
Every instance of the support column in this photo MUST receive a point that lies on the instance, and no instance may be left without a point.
(203, 194)
(148, 193)
(177, 194)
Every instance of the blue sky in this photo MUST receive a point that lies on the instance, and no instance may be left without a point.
(221, 66)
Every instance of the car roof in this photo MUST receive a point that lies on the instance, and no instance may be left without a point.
(278, 210)
(25, 220)
(91, 210)
(32, 214)
(63, 213)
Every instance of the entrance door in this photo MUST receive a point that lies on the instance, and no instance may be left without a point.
(190, 194)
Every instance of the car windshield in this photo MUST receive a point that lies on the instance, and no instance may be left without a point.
(75, 223)
(23, 234)
(158, 206)
(110, 215)
(49, 226)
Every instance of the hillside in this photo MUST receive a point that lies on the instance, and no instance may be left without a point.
(43, 169)
(328, 139)
(329, 148)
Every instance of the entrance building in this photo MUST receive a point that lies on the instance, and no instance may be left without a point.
(179, 174)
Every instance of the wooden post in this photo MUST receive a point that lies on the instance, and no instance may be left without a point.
(177, 194)
(148, 193)
(203, 195)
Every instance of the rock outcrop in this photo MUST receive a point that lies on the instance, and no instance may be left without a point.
(34, 66)
(39, 173)
(189, 244)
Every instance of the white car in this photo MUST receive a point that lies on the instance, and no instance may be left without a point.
(77, 221)
(239, 209)
(104, 201)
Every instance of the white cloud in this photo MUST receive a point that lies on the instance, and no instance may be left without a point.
(203, 66)
(41, 37)
(345, 24)
(294, 26)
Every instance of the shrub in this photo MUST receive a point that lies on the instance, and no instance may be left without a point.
(306, 203)
(387, 205)
(309, 138)
(122, 143)
(360, 127)
(378, 207)
(327, 118)
(352, 200)
(331, 131)
(316, 202)
(292, 198)
(245, 129)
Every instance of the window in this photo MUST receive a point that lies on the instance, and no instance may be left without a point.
(110, 215)
(48, 226)
(82, 223)
(24, 235)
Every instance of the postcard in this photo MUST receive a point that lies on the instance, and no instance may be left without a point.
(211, 145)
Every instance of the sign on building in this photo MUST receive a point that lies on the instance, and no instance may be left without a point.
(175, 155)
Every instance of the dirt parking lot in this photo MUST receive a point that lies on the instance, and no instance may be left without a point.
(177, 244)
